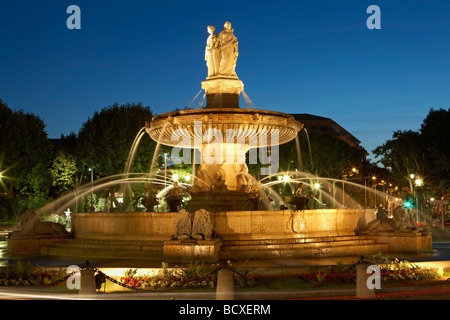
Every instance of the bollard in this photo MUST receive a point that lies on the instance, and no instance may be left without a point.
(225, 290)
(87, 283)
(362, 289)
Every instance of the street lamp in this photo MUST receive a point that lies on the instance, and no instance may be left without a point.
(91, 170)
(165, 170)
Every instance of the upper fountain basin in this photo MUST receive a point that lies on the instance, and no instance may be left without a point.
(252, 123)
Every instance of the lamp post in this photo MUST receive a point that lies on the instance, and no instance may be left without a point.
(165, 170)
(317, 187)
(375, 194)
(91, 170)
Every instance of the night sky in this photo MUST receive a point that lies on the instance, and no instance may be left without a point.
(314, 57)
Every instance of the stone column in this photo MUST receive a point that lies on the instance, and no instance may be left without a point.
(87, 285)
(225, 289)
(362, 289)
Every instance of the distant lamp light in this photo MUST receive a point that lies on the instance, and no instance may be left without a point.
(280, 178)
(286, 178)
(187, 178)
(412, 175)
(407, 204)
(175, 177)
(418, 182)
(431, 199)
(374, 178)
(316, 185)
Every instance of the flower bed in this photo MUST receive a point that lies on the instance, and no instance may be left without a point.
(23, 274)
(390, 269)
(394, 269)
(196, 275)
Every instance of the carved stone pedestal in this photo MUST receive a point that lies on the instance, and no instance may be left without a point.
(192, 250)
(222, 92)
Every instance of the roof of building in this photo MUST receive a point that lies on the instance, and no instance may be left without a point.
(316, 123)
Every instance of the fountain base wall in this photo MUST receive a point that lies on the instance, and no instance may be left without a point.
(242, 235)
(407, 242)
(227, 224)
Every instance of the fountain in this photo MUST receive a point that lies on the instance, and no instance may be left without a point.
(229, 215)
(222, 132)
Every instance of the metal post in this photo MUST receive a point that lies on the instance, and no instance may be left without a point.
(225, 290)
(365, 193)
(165, 170)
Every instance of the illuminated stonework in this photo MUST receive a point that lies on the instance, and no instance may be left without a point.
(208, 129)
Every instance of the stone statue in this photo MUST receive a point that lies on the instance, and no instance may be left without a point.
(31, 225)
(212, 55)
(202, 227)
(228, 45)
(182, 225)
(253, 196)
(402, 221)
(149, 199)
(299, 200)
(219, 183)
(174, 197)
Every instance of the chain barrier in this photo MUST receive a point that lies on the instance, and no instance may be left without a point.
(101, 276)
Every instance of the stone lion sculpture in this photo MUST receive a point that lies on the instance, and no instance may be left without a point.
(182, 225)
(202, 226)
(401, 222)
(31, 225)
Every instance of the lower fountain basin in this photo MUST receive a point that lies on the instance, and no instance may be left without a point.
(227, 224)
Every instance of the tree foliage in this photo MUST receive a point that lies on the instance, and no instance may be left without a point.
(435, 132)
(25, 153)
(424, 153)
(63, 171)
(328, 156)
(105, 140)
(23, 144)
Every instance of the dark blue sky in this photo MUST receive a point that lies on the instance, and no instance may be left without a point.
(313, 57)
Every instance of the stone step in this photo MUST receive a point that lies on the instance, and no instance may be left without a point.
(107, 248)
(114, 241)
(112, 245)
(297, 246)
(290, 240)
(308, 252)
(102, 253)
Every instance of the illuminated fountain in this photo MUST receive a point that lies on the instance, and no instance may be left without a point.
(223, 133)
(218, 137)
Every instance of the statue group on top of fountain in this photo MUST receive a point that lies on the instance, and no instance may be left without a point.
(221, 52)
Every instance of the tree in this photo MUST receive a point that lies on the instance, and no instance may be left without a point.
(424, 153)
(104, 141)
(23, 144)
(25, 152)
(63, 171)
(328, 157)
(403, 155)
(435, 132)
